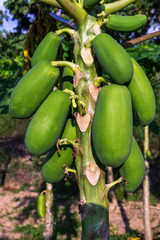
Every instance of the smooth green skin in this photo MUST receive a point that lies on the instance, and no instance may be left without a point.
(113, 58)
(112, 126)
(125, 23)
(33, 89)
(142, 96)
(47, 124)
(47, 49)
(53, 170)
(41, 208)
(67, 81)
(90, 3)
(133, 169)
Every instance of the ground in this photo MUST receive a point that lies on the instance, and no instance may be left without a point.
(21, 182)
(18, 209)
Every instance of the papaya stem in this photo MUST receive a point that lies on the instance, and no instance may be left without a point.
(72, 32)
(67, 170)
(66, 141)
(76, 102)
(116, 6)
(71, 65)
(109, 185)
(43, 192)
(98, 81)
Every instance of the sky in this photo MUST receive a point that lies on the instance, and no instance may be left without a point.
(7, 25)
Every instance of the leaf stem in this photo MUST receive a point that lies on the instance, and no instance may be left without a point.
(78, 13)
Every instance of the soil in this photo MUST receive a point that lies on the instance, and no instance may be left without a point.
(18, 206)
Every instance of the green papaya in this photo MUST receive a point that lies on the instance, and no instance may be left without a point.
(48, 122)
(90, 3)
(47, 49)
(32, 89)
(53, 170)
(113, 58)
(125, 23)
(112, 125)
(133, 169)
(142, 96)
(41, 208)
(67, 80)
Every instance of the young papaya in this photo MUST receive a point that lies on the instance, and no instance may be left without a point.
(90, 3)
(112, 125)
(41, 208)
(47, 49)
(113, 58)
(133, 169)
(142, 95)
(125, 23)
(32, 89)
(53, 169)
(47, 124)
(67, 80)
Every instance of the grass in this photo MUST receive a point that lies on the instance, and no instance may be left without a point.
(30, 232)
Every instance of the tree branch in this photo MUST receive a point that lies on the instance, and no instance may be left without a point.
(141, 39)
(115, 6)
(52, 2)
(79, 14)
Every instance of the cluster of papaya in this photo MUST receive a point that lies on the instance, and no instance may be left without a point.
(34, 95)
(112, 129)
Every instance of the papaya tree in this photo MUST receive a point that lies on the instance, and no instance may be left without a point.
(88, 116)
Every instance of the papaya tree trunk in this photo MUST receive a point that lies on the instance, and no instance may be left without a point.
(146, 189)
(48, 227)
(93, 205)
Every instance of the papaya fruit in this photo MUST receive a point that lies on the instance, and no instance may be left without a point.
(67, 79)
(90, 3)
(125, 23)
(112, 125)
(32, 89)
(48, 122)
(142, 96)
(133, 169)
(41, 208)
(47, 49)
(53, 169)
(113, 58)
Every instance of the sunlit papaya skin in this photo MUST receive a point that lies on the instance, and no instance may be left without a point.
(53, 169)
(125, 23)
(133, 169)
(47, 124)
(33, 89)
(47, 49)
(113, 58)
(142, 96)
(112, 126)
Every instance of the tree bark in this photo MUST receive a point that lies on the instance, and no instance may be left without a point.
(48, 229)
(146, 189)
